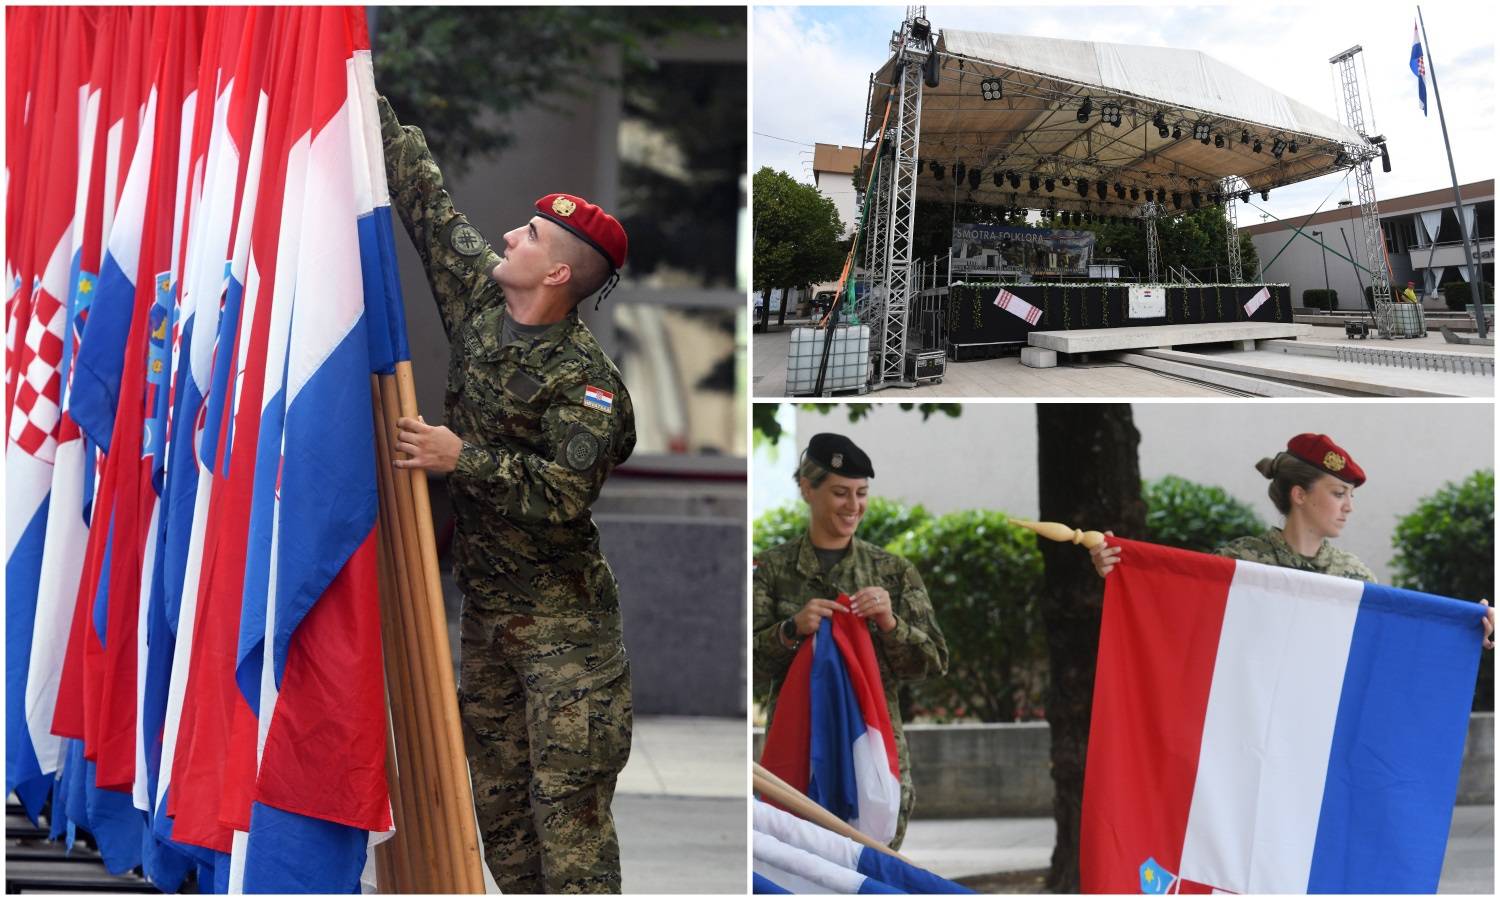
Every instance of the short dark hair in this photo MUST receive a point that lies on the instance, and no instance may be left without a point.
(588, 266)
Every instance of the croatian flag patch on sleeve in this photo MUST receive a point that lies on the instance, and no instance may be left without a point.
(598, 398)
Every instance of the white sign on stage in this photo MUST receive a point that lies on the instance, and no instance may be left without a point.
(1148, 302)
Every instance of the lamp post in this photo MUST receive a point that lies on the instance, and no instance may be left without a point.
(1324, 247)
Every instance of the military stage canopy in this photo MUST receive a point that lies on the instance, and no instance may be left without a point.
(1106, 123)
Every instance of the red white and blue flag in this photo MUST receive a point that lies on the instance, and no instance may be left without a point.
(831, 737)
(206, 621)
(1267, 730)
(1419, 67)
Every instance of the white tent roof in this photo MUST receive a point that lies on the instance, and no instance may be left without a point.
(1033, 129)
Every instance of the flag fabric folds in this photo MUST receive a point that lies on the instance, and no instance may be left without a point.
(1419, 67)
(201, 280)
(1266, 730)
(831, 736)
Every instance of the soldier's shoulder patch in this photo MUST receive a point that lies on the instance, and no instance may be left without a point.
(581, 450)
(463, 238)
(598, 398)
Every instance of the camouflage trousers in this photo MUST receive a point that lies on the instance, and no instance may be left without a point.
(547, 722)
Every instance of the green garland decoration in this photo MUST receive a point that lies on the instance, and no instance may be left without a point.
(1105, 294)
(977, 311)
(1046, 306)
(1219, 302)
(1067, 314)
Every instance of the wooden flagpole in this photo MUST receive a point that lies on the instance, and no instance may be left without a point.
(794, 801)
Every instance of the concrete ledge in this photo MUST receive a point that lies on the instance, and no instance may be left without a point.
(1185, 365)
(1099, 340)
(1038, 357)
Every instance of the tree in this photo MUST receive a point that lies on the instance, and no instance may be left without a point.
(1088, 476)
(796, 234)
(769, 430)
(445, 67)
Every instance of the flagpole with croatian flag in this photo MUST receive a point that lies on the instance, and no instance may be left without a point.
(1419, 63)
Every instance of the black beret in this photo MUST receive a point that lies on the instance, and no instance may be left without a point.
(839, 455)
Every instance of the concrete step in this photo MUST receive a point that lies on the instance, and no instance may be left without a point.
(1186, 365)
(1140, 337)
(1333, 375)
(1452, 362)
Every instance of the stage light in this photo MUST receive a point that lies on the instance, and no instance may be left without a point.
(1119, 190)
(1385, 158)
(1177, 199)
(958, 173)
(1035, 181)
(1292, 146)
(1265, 195)
(1200, 131)
(975, 176)
(1219, 141)
(1256, 146)
(1150, 196)
(1086, 109)
(998, 178)
(1244, 196)
(1341, 159)
(1244, 137)
(1083, 187)
(1101, 189)
(1135, 192)
(1160, 121)
(1196, 197)
(1015, 179)
(921, 29)
(1278, 147)
(1216, 198)
(990, 89)
(937, 171)
(1066, 181)
(1109, 114)
(1176, 132)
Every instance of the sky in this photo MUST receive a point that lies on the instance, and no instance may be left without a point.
(811, 68)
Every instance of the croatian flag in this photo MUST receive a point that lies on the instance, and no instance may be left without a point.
(800, 857)
(1268, 730)
(1419, 67)
(1017, 307)
(1255, 302)
(831, 737)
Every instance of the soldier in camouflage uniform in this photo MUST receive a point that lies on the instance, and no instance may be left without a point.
(796, 585)
(537, 419)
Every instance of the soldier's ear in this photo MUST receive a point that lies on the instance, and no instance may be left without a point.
(560, 274)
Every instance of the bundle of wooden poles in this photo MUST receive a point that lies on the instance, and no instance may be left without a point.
(435, 849)
(773, 789)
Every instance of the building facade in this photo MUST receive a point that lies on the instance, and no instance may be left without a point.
(1423, 244)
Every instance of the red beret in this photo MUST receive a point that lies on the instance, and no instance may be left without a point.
(588, 223)
(1319, 451)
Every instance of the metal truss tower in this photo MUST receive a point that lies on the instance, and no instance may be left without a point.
(1153, 245)
(897, 201)
(1374, 241)
(1230, 187)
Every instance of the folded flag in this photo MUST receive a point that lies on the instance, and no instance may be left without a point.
(831, 736)
(1266, 730)
(1254, 303)
(846, 855)
(1017, 307)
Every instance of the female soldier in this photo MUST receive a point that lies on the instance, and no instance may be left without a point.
(1312, 486)
(797, 583)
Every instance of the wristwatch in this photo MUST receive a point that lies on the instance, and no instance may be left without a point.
(789, 635)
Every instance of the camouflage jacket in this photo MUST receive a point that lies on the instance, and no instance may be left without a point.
(788, 575)
(1272, 549)
(543, 425)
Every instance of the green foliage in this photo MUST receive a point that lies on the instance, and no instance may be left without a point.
(1320, 298)
(459, 72)
(763, 415)
(1447, 546)
(884, 521)
(1193, 516)
(984, 576)
(1456, 294)
(796, 233)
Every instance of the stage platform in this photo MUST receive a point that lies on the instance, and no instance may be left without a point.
(1103, 340)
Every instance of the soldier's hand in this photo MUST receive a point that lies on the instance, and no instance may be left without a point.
(816, 610)
(433, 448)
(1489, 625)
(1105, 556)
(874, 603)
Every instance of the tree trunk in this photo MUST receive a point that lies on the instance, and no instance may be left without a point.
(786, 298)
(1089, 477)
